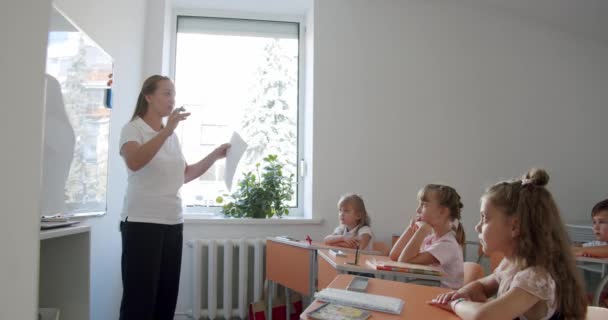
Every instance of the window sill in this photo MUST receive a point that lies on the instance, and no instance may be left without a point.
(202, 219)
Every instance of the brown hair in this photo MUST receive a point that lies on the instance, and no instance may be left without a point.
(356, 201)
(149, 86)
(449, 198)
(598, 207)
(542, 241)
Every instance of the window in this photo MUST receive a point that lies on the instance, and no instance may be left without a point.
(237, 75)
(77, 122)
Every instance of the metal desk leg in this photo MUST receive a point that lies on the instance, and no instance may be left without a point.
(270, 297)
(287, 304)
(313, 273)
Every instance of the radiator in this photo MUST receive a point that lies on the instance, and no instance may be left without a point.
(226, 269)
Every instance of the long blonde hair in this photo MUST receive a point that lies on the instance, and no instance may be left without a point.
(542, 241)
(358, 205)
(449, 198)
(148, 87)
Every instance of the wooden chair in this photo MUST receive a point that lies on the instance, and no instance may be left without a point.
(596, 313)
(381, 247)
(472, 272)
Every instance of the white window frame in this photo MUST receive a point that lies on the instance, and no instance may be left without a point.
(302, 173)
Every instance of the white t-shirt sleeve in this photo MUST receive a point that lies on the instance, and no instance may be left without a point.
(130, 133)
(365, 230)
(443, 250)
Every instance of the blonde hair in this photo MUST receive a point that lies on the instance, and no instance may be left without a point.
(358, 205)
(449, 198)
(148, 87)
(542, 241)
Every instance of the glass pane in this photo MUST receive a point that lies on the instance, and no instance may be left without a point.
(247, 84)
(83, 72)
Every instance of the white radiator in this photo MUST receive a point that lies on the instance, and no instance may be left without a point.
(239, 274)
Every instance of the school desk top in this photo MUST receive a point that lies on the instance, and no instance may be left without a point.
(415, 297)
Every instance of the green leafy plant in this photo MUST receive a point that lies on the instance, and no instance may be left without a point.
(261, 195)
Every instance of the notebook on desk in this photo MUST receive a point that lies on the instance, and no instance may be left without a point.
(404, 267)
(361, 300)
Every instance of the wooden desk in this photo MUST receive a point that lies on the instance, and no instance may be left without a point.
(415, 297)
(603, 263)
(329, 267)
(293, 264)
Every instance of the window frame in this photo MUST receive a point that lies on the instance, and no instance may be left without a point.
(297, 212)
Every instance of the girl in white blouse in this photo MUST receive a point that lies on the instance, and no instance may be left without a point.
(354, 229)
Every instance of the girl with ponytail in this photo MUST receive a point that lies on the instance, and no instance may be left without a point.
(435, 236)
(538, 278)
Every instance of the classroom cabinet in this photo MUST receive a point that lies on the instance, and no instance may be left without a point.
(64, 274)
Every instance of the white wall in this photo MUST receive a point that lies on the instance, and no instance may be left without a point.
(414, 92)
(22, 89)
(118, 27)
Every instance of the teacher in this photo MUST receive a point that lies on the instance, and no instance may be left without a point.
(152, 221)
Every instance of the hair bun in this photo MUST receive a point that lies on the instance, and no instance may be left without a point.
(538, 177)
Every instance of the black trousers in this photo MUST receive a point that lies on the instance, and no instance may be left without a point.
(151, 264)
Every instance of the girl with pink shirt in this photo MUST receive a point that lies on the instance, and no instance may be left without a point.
(538, 278)
(435, 236)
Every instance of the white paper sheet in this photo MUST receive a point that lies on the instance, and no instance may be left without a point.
(233, 156)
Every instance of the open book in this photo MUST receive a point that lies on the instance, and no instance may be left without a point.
(404, 267)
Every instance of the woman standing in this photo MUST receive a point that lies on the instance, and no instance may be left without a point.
(152, 221)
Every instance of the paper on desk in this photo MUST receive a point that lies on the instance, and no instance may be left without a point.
(233, 156)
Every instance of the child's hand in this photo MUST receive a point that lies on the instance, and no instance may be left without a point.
(445, 298)
(350, 242)
(414, 224)
(424, 227)
(444, 306)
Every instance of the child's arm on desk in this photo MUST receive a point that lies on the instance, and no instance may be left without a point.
(595, 252)
(340, 241)
(515, 302)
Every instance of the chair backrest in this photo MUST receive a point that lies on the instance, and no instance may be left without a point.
(472, 272)
(381, 247)
(596, 313)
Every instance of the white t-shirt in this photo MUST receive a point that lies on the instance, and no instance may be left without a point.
(535, 280)
(153, 191)
(356, 233)
(595, 243)
(449, 254)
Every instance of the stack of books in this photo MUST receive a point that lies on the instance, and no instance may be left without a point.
(55, 221)
(404, 267)
(54, 218)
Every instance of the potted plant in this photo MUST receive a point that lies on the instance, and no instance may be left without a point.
(261, 194)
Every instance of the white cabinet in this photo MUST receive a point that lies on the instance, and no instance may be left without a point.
(64, 281)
